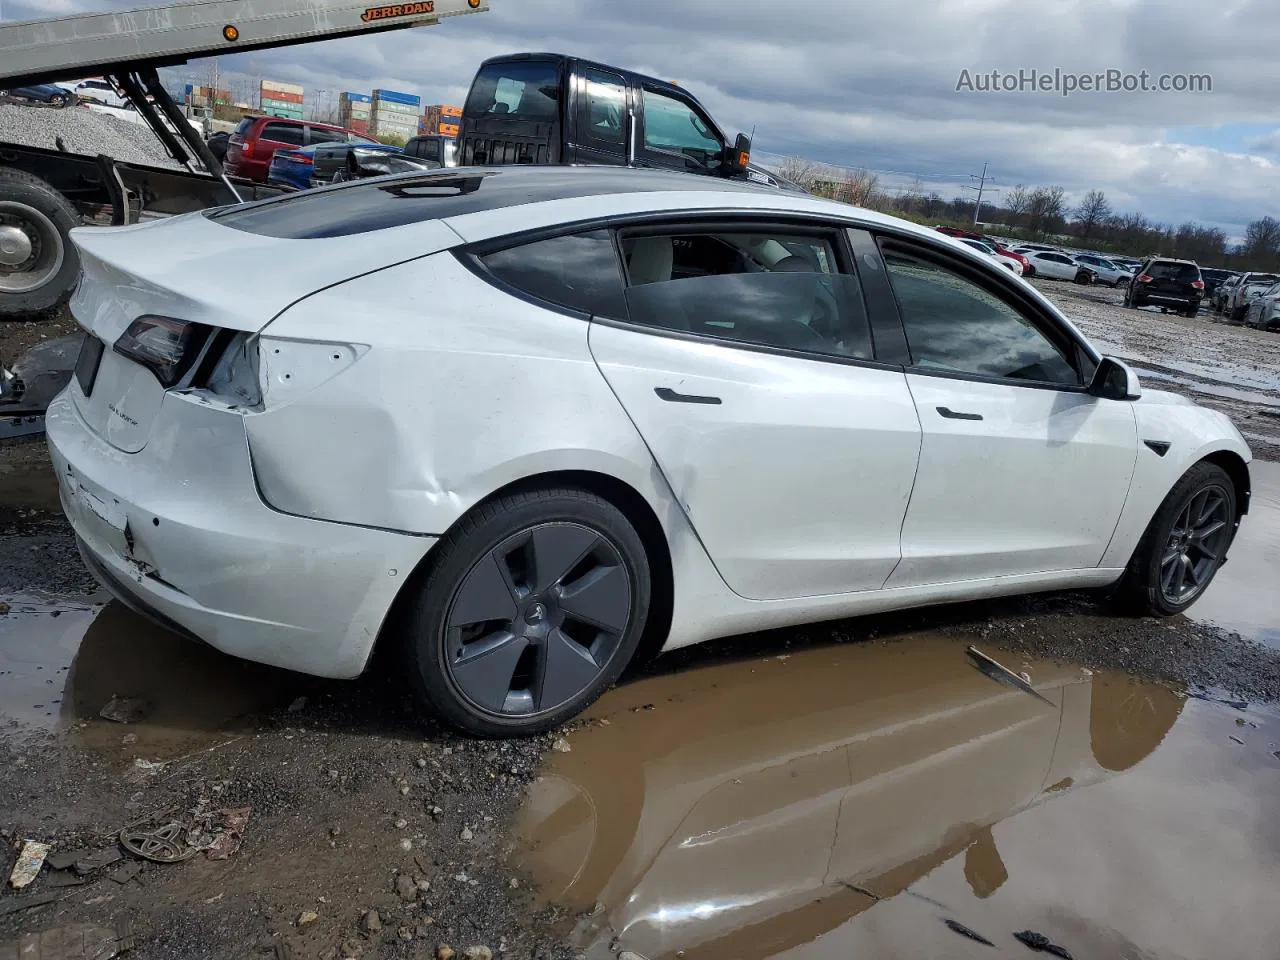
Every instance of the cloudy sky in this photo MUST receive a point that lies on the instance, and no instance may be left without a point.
(872, 83)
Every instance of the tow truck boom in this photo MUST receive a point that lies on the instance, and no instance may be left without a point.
(44, 192)
(70, 48)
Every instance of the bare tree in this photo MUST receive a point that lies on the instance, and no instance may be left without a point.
(1093, 211)
(857, 187)
(1045, 210)
(803, 173)
(1017, 202)
(1262, 238)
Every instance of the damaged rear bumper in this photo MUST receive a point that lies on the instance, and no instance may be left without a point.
(179, 532)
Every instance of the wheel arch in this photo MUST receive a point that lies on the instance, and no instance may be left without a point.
(1238, 471)
(622, 495)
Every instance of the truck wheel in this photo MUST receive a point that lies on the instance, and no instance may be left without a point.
(38, 263)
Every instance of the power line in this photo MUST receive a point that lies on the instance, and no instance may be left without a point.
(982, 183)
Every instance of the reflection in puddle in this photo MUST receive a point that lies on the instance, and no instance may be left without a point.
(844, 801)
(1242, 596)
(61, 662)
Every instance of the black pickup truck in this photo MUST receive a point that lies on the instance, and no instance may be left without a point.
(547, 108)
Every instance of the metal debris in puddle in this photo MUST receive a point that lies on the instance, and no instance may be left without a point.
(1002, 674)
(1042, 944)
(957, 927)
(30, 860)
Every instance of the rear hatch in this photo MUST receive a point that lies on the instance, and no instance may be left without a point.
(207, 281)
(513, 113)
(1174, 279)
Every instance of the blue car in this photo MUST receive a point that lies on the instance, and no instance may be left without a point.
(49, 93)
(305, 167)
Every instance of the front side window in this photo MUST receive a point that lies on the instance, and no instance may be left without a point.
(524, 90)
(767, 289)
(579, 271)
(953, 325)
(671, 126)
(606, 100)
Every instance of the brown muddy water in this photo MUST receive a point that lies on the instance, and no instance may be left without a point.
(62, 661)
(849, 801)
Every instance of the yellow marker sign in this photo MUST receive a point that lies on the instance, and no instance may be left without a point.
(389, 10)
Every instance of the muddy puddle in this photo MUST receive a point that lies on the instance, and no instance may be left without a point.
(853, 801)
(1243, 594)
(63, 661)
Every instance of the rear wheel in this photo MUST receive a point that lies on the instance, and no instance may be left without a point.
(1184, 545)
(38, 263)
(532, 607)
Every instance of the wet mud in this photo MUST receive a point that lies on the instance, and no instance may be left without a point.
(848, 801)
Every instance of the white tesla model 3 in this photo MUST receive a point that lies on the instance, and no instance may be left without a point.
(525, 422)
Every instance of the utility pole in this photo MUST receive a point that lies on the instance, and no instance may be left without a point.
(982, 183)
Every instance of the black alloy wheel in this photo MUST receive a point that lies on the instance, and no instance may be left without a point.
(532, 608)
(1185, 544)
(1196, 545)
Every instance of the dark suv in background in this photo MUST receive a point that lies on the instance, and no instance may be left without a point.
(1167, 283)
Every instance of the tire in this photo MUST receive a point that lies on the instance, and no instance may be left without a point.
(59, 102)
(1144, 586)
(533, 664)
(34, 207)
(1190, 312)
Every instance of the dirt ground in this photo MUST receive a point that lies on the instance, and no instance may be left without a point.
(400, 838)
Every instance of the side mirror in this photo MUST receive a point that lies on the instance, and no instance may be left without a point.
(738, 157)
(1113, 380)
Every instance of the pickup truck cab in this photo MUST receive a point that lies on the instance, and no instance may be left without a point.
(547, 108)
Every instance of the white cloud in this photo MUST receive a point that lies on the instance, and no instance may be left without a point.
(869, 83)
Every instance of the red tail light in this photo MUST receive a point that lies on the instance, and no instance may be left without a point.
(246, 149)
(1143, 278)
(165, 346)
(303, 158)
(1197, 285)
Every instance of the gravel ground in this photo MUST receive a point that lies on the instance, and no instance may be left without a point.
(82, 131)
(1215, 362)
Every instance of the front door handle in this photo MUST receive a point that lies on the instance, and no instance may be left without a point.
(954, 415)
(666, 393)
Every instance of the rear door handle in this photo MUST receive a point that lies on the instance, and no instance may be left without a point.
(954, 415)
(666, 393)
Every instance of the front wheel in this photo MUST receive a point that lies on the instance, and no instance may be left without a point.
(532, 607)
(1184, 545)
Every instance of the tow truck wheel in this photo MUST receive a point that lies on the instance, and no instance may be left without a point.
(38, 262)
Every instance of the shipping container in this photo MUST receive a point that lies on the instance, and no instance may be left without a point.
(353, 98)
(403, 109)
(392, 96)
(359, 126)
(282, 87)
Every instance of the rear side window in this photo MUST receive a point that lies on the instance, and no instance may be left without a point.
(772, 290)
(428, 149)
(1174, 271)
(527, 90)
(282, 133)
(579, 271)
